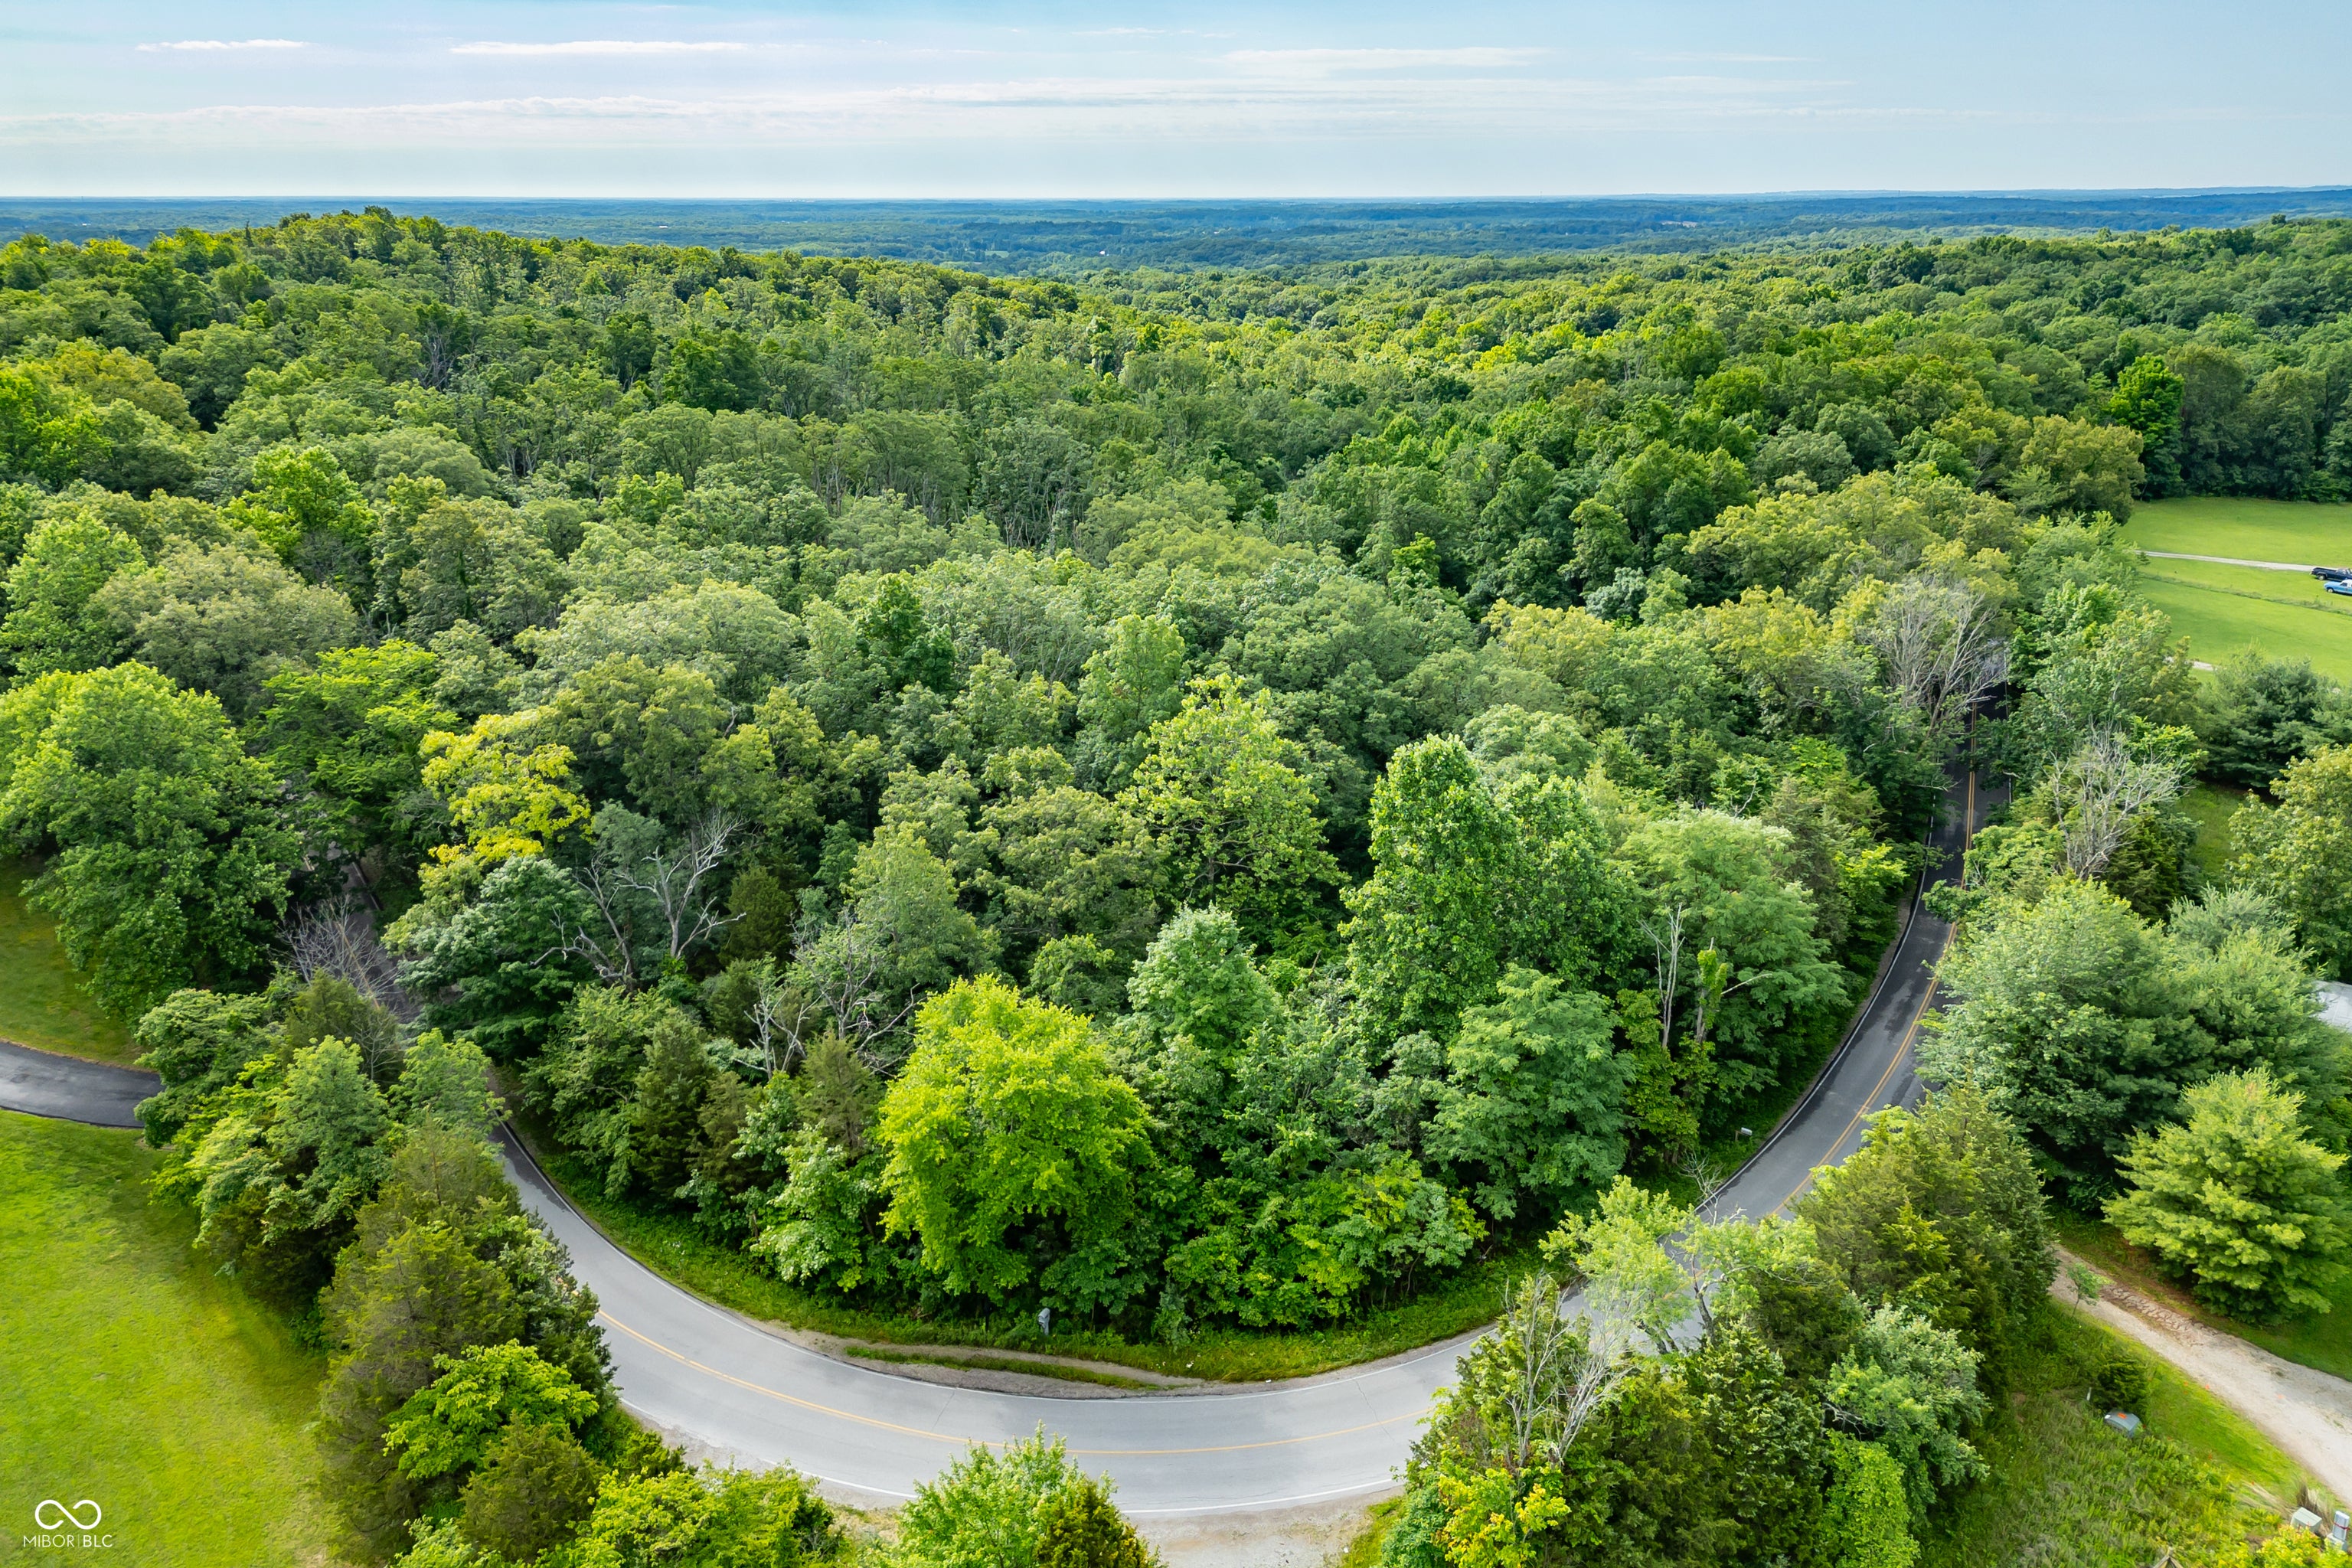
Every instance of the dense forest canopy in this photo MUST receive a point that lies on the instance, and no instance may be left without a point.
(1195, 797)
(1070, 238)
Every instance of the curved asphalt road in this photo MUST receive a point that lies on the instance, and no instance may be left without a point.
(72, 1089)
(709, 1374)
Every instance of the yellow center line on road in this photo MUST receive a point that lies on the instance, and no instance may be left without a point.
(986, 1442)
(1870, 1106)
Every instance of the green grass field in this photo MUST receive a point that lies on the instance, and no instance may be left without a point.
(131, 1375)
(2223, 610)
(2317, 534)
(42, 1002)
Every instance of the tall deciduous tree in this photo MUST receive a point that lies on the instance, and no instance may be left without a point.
(1533, 1096)
(1227, 794)
(224, 619)
(1013, 1150)
(170, 855)
(351, 728)
(53, 621)
(2296, 852)
(1467, 880)
(1710, 880)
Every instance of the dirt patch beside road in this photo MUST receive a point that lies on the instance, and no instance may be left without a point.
(2307, 1412)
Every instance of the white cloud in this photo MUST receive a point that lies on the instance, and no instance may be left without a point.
(1065, 109)
(1323, 62)
(225, 44)
(599, 47)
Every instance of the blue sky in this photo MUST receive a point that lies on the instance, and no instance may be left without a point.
(1203, 99)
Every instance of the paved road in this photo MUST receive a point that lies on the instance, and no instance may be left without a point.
(2225, 560)
(708, 1374)
(71, 1090)
(1872, 1067)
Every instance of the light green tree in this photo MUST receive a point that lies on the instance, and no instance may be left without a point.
(1866, 1518)
(224, 619)
(452, 1422)
(1710, 885)
(300, 493)
(291, 1152)
(1136, 679)
(447, 1081)
(1467, 881)
(2296, 851)
(1533, 1098)
(2239, 1200)
(351, 727)
(1912, 1387)
(1028, 1507)
(54, 620)
(1009, 1138)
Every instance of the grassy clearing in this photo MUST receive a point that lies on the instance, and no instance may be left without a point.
(2220, 622)
(2067, 1492)
(2316, 534)
(2223, 610)
(2298, 590)
(2211, 805)
(42, 1002)
(133, 1376)
(671, 1246)
(2324, 1341)
(1001, 1363)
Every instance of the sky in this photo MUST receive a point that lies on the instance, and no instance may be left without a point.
(1210, 99)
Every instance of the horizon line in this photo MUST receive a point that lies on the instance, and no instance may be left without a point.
(380, 199)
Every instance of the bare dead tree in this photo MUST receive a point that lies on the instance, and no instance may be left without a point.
(1709, 1182)
(337, 936)
(1941, 646)
(2098, 790)
(1606, 1357)
(672, 878)
(1564, 1370)
(781, 1015)
(611, 950)
(1540, 1329)
(841, 965)
(1666, 934)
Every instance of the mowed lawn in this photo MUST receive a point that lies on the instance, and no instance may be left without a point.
(2225, 610)
(42, 1002)
(132, 1375)
(2314, 533)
